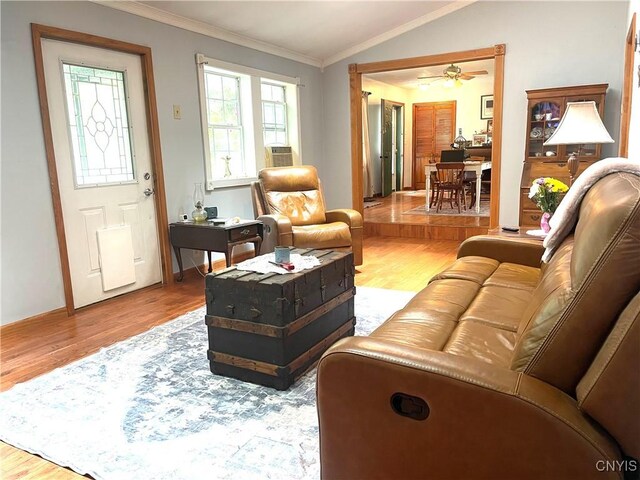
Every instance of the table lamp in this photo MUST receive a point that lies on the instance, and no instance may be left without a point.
(580, 124)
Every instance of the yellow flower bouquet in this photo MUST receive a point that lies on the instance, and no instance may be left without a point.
(547, 193)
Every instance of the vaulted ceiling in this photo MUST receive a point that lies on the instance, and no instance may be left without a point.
(315, 32)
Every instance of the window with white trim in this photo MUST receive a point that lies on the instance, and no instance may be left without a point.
(274, 114)
(243, 111)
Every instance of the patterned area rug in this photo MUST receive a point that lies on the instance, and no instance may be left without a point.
(447, 210)
(371, 204)
(149, 408)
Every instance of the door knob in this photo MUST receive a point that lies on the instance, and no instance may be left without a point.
(148, 192)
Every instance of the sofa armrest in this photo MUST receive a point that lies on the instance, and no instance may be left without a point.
(277, 231)
(484, 421)
(346, 215)
(513, 250)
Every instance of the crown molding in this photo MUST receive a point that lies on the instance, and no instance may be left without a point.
(394, 32)
(161, 16)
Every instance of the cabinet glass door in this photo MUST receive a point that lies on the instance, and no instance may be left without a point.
(544, 117)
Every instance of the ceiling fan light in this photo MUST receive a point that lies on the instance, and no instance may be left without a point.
(458, 83)
(449, 83)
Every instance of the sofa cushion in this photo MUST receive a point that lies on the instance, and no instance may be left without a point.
(482, 342)
(511, 275)
(474, 269)
(325, 235)
(588, 282)
(500, 307)
(469, 309)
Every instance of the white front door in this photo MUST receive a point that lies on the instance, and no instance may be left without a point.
(99, 126)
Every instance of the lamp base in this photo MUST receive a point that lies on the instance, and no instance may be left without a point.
(573, 162)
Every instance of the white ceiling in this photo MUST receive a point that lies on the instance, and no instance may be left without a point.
(409, 78)
(315, 32)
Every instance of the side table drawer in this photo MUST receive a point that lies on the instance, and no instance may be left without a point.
(243, 232)
(531, 217)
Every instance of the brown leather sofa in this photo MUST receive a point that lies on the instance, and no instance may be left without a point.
(501, 368)
(290, 204)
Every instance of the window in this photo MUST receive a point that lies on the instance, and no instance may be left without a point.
(224, 125)
(243, 111)
(274, 114)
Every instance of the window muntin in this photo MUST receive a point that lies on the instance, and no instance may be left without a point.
(274, 114)
(98, 124)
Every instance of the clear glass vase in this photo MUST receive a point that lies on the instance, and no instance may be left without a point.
(199, 214)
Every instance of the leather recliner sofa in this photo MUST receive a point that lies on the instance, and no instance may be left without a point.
(501, 368)
(290, 203)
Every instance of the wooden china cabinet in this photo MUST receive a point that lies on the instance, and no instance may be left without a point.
(545, 108)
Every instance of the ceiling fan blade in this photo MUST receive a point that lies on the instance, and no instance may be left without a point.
(466, 76)
(431, 76)
(478, 72)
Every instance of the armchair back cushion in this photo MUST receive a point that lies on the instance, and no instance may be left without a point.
(295, 193)
(585, 287)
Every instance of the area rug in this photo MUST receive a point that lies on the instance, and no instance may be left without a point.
(447, 210)
(149, 408)
(371, 204)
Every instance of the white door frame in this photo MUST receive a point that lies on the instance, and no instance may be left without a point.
(38, 32)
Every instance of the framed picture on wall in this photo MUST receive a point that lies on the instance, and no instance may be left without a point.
(479, 139)
(490, 127)
(486, 107)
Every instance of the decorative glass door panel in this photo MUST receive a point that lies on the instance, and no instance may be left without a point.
(98, 125)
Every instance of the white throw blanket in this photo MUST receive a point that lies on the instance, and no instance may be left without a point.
(566, 216)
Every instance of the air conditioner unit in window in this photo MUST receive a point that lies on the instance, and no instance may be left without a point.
(279, 156)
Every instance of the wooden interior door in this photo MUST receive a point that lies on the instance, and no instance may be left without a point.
(386, 146)
(434, 125)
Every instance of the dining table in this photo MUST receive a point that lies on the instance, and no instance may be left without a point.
(469, 166)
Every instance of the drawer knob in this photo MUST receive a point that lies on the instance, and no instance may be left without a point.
(535, 217)
(246, 231)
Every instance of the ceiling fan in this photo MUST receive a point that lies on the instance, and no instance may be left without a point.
(452, 75)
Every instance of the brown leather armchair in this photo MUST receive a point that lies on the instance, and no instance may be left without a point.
(500, 368)
(290, 204)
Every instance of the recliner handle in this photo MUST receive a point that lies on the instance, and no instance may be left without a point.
(409, 406)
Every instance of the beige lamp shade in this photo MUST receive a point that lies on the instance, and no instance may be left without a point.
(580, 124)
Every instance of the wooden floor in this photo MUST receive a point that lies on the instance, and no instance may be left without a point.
(389, 219)
(33, 347)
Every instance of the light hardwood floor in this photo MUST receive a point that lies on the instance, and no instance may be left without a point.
(37, 346)
(389, 219)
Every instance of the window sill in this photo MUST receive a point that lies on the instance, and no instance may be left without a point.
(229, 183)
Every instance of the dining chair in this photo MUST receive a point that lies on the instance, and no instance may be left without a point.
(450, 180)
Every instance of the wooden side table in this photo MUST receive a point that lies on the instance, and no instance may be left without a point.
(213, 238)
(522, 233)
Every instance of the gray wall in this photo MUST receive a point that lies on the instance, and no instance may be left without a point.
(30, 270)
(549, 44)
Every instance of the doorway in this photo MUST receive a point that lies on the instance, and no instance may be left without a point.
(102, 143)
(392, 146)
(356, 71)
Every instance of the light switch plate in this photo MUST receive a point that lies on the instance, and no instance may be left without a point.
(177, 112)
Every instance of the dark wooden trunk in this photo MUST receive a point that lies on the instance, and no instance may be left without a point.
(270, 328)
